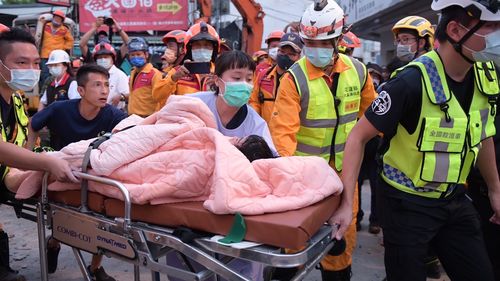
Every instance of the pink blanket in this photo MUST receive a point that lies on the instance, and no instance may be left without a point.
(177, 155)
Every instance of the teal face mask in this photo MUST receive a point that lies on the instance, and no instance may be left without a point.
(237, 93)
(319, 57)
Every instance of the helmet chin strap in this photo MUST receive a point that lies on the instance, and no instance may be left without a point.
(335, 42)
(417, 52)
(458, 45)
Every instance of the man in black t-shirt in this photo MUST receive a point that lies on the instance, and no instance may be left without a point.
(75, 120)
(435, 120)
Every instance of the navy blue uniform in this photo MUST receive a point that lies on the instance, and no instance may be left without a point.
(66, 125)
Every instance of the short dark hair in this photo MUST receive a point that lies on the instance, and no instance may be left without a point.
(255, 147)
(82, 76)
(102, 32)
(14, 35)
(452, 13)
(232, 60)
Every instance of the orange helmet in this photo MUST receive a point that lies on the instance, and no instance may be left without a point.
(225, 46)
(350, 40)
(178, 35)
(258, 54)
(3, 28)
(275, 35)
(202, 31)
(104, 48)
(59, 13)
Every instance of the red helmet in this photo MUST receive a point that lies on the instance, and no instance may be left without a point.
(59, 13)
(104, 48)
(178, 35)
(3, 28)
(350, 40)
(275, 35)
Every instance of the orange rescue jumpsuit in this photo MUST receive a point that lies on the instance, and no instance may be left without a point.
(264, 92)
(145, 87)
(284, 125)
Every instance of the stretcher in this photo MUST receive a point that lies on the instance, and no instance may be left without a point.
(143, 234)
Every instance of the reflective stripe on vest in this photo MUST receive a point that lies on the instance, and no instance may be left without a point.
(20, 130)
(321, 119)
(446, 143)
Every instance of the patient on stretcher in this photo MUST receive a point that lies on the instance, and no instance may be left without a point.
(178, 155)
(253, 147)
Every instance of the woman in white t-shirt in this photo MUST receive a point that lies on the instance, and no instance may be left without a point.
(232, 85)
(234, 71)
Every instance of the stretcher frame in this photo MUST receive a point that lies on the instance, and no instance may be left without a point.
(142, 244)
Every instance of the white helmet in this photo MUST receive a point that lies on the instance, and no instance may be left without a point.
(322, 20)
(485, 10)
(58, 56)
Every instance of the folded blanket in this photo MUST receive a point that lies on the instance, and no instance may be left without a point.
(177, 155)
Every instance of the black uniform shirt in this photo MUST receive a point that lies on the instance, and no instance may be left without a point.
(8, 117)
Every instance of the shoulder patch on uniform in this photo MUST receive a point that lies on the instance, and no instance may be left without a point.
(382, 103)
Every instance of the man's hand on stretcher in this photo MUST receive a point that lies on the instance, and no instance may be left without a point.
(21, 158)
(340, 220)
(60, 169)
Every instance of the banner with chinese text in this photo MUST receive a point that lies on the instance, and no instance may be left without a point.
(136, 15)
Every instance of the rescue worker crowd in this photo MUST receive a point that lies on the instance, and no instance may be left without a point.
(421, 130)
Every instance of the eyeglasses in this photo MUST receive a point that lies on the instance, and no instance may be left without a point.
(290, 54)
(405, 41)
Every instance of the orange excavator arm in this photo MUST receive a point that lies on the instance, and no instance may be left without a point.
(206, 10)
(253, 22)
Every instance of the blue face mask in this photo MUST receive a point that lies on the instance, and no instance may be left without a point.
(137, 61)
(237, 93)
(319, 57)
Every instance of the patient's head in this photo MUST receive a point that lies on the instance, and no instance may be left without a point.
(254, 147)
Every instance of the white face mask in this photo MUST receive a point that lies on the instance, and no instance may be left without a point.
(22, 79)
(202, 55)
(273, 53)
(404, 53)
(492, 50)
(105, 62)
(56, 71)
(170, 56)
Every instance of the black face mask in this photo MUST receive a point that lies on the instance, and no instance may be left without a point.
(284, 62)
